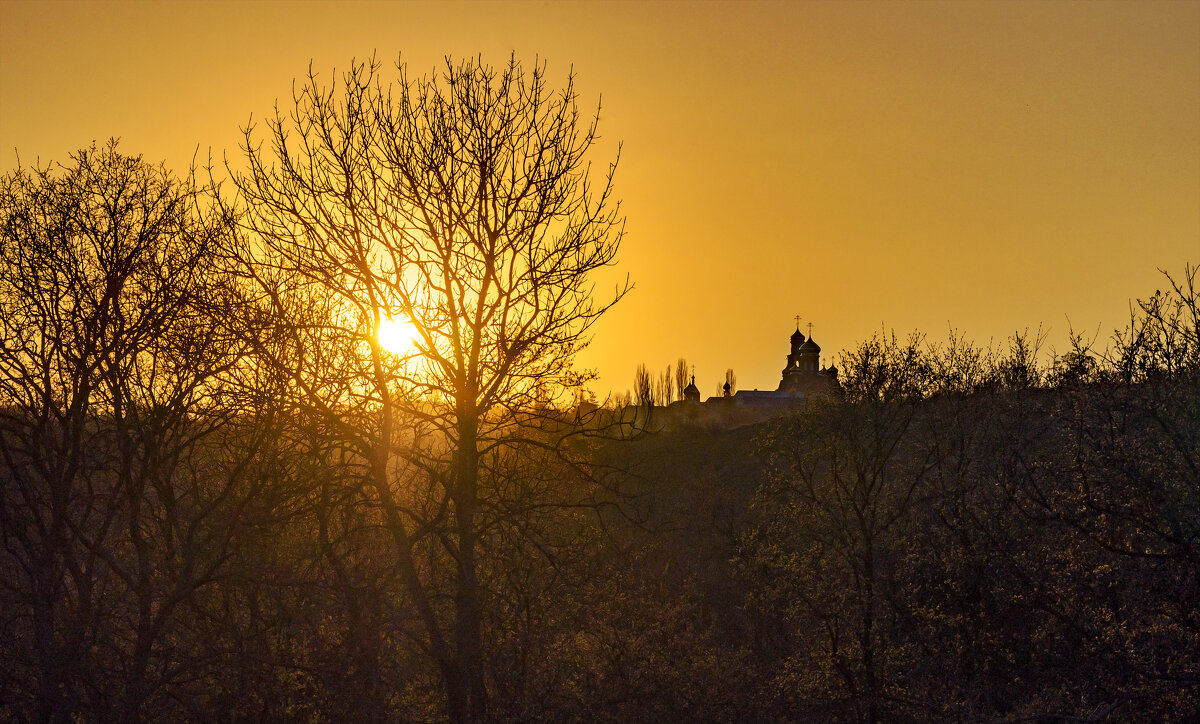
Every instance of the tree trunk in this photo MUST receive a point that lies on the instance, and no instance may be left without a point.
(468, 625)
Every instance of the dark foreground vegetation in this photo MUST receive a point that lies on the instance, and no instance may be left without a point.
(222, 500)
(967, 535)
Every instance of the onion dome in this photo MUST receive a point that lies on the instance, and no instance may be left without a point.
(691, 393)
(810, 346)
(797, 337)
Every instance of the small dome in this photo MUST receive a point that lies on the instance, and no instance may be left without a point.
(810, 346)
(797, 336)
(691, 392)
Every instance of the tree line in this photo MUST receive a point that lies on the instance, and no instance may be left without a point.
(668, 386)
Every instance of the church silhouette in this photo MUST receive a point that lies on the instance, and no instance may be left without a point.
(802, 378)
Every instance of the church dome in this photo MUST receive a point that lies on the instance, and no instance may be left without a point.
(797, 337)
(691, 393)
(810, 346)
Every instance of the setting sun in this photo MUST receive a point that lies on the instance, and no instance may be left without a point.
(397, 336)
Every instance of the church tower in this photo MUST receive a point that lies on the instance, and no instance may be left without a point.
(810, 355)
(803, 363)
(790, 379)
(797, 343)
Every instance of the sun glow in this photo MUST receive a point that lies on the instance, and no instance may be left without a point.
(397, 336)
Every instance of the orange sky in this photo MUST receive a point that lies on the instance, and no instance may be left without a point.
(987, 165)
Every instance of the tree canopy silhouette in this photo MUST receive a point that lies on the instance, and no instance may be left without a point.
(465, 203)
(127, 470)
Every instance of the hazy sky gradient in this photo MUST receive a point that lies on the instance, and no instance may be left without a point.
(985, 165)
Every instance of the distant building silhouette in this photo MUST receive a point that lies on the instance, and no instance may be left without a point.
(803, 373)
(802, 378)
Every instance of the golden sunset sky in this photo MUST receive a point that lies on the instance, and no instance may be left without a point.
(990, 166)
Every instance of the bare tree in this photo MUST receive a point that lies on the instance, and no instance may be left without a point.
(665, 387)
(463, 203)
(731, 380)
(682, 377)
(643, 387)
(124, 477)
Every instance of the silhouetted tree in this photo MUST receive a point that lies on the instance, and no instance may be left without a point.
(128, 473)
(643, 387)
(1019, 368)
(682, 377)
(664, 388)
(462, 202)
